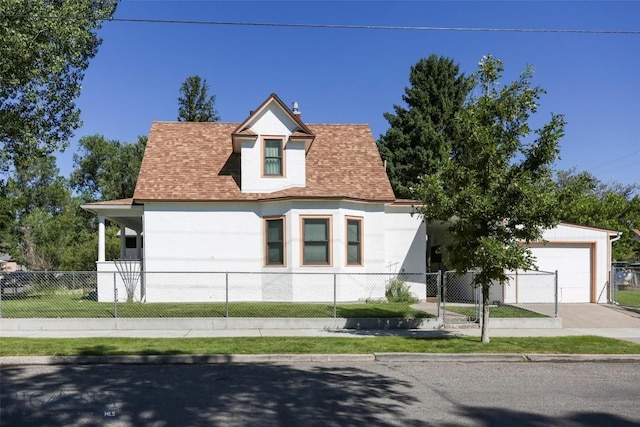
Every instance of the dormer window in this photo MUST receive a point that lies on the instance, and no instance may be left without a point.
(273, 157)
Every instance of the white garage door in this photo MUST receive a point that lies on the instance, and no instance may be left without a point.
(573, 263)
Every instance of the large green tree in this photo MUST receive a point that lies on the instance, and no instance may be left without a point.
(585, 200)
(422, 133)
(195, 104)
(45, 48)
(41, 223)
(66, 241)
(495, 187)
(106, 169)
(34, 184)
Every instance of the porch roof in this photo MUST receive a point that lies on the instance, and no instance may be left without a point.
(121, 211)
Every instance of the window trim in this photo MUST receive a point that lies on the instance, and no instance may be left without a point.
(265, 247)
(329, 219)
(263, 158)
(360, 242)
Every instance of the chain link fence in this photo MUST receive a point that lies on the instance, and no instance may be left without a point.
(525, 294)
(461, 300)
(130, 293)
(625, 287)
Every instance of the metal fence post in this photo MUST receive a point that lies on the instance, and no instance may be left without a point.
(438, 292)
(335, 311)
(444, 299)
(479, 301)
(555, 312)
(115, 297)
(226, 294)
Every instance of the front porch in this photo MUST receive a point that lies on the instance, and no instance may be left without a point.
(129, 217)
(113, 286)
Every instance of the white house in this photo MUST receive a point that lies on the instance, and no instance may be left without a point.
(268, 195)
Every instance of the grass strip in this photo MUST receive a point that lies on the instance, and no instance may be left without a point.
(308, 345)
(68, 306)
(628, 298)
(498, 311)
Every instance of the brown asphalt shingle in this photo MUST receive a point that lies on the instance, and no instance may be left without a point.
(194, 162)
(118, 202)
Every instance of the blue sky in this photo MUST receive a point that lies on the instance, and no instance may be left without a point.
(356, 75)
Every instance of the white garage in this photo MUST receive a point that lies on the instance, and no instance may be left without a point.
(581, 256)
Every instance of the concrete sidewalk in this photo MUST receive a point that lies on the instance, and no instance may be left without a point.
(628, 334)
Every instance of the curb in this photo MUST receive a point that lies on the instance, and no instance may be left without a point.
(503, 357)
(183, 359)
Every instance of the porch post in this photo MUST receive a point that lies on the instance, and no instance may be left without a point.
(123, 242)
(101, 239)
(138, 245)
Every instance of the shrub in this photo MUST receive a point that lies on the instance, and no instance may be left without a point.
(398, 291)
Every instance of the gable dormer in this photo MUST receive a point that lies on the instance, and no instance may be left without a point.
(272, 143)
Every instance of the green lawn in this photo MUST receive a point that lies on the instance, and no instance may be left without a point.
(310, 345)
(499, 311)
(67, 305)
(628, 298)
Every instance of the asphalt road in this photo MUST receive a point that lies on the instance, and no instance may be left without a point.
(323, 394)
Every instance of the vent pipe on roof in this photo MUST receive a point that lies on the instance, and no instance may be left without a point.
(296, 111)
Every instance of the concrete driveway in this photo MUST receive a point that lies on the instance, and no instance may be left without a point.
(590, 315)
(577, 319)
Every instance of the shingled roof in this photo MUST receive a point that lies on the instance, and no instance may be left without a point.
(189, 161)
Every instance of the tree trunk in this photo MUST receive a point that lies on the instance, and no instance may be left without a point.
(485, 312)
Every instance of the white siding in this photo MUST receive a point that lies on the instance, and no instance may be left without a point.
(228, 237)
(202, 237)
(404, 231)
(406, 245)
(272, 122)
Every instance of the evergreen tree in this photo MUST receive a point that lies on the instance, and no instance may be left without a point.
(194, 103)
(420, 136)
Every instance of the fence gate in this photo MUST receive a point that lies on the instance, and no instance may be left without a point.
(460, 300)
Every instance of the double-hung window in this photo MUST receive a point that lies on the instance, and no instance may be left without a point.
(274, 241)
(354, 241)
(316, 241)
(273, 164)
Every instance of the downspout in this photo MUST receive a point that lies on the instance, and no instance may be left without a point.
(615, 239)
